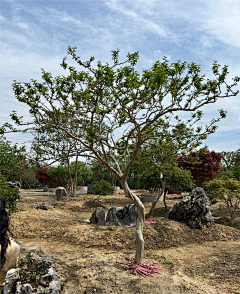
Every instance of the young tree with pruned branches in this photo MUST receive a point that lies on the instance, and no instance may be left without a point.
(112, 110)
(181, 139)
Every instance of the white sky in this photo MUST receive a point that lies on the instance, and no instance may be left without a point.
(36, 34)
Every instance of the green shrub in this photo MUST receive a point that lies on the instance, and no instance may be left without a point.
(9, 194)
(103, 187)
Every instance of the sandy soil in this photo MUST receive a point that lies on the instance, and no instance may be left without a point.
(90, 258)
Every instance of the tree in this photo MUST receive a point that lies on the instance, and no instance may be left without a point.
(231, 160)
(227, 190)
(12, 158)
(56, 146)
(28, 177)
(43, 178)
(59, 173)
(181, 139)
(203, 164)
(103, 187)
(9, 194)
(111, 110)
(84, 172)
(173, 177)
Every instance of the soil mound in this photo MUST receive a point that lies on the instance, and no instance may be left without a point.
(72, 230)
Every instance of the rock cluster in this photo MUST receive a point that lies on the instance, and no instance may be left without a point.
(193, 210)
(44, 206)
(48, 280)
(126, 216)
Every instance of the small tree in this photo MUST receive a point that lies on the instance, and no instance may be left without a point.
(59, 173)
(112, 110)
(84, 172)
(175, 140)
(102, 188)
(172, 178)
(226, 190)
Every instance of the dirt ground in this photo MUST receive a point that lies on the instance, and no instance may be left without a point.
(90, 258)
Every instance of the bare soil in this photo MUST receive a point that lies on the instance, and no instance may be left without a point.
(91, 258)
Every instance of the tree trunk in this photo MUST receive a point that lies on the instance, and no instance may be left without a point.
(70, 178)
(161, 194)
(164, 198)
(75, 178)
(140, 221)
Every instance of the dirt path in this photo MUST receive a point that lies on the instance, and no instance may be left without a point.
(90, 258)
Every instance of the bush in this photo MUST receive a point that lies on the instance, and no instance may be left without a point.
(103, 187)
(9, 194)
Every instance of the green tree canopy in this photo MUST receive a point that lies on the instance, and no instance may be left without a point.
(12, 158)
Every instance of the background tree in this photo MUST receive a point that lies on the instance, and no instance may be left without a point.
(226, 190)
(174, 177)
(58, 147)
(180, 139)
(112, 110)
(61, 173)
(12, 158)
(84, 172)
(203, 164)
(231, 160)
(43, 178)
(226, 175)
(9, 194)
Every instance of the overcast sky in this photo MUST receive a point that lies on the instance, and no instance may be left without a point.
(36, 34)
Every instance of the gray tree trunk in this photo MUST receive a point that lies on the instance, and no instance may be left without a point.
(140, 221)
(161, 195)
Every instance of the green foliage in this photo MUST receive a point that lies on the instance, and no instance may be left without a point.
(149, 179)
(174, 177)
(225, 175)
(9, 194)
(84, 172)
(103, 187)
(27, 178)
(231, 160)
(12, 158)
(177, 178)
(226, 190)
(60, 172)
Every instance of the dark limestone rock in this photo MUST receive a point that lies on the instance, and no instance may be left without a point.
(127, 216)
(98, 217)
(111, 218)
(60, 192)
(90, 189)
(193, 210)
